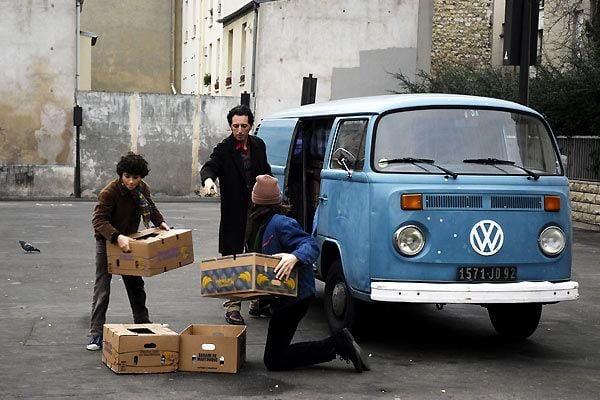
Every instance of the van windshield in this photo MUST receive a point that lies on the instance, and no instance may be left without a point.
(464, 141)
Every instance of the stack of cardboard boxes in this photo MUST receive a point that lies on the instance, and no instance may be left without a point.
(154, 348)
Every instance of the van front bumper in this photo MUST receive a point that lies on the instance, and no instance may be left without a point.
(474, 293)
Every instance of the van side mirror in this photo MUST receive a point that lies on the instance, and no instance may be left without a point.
(345, 159)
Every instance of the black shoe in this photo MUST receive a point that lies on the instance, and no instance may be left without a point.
(347, 348)
(234, 318)
(258, 309)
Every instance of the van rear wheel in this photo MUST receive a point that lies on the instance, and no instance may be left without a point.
(515, 321)
(341, 309)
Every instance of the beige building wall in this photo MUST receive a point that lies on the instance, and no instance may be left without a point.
(135, 51)
(37, 82)
(85, 62)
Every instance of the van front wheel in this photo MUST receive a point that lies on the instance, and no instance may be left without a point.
(341, 308)
(515, 321)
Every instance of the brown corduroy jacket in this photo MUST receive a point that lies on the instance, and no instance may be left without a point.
(118, 213)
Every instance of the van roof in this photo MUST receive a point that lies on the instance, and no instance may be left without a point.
(379, 104)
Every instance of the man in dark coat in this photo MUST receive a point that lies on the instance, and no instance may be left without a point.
(236, 162)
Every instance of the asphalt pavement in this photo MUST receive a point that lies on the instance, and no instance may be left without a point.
(416, 352)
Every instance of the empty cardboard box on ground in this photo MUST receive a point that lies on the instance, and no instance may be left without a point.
(153, 252)
(140, 348)
(244, 276)
(212, 348)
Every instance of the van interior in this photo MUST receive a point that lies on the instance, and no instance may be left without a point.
(305, 164)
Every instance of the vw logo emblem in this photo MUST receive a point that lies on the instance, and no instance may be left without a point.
(486, 237)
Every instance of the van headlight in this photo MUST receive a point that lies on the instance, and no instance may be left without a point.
(552, 241)
(409, 240)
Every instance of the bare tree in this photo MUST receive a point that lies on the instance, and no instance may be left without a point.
(568, 23)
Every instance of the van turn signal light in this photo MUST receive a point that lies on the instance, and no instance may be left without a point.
(552, 203)
(412, 201)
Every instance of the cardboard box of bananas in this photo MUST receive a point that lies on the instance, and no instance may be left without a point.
(244, 276)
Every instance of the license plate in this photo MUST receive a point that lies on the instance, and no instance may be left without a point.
(487, 274)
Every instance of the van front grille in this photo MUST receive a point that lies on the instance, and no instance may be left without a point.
(517, 202)
(482, 202)
(453, 201)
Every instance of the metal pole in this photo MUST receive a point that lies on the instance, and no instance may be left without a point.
(525, 53)
(77, 181)
(77, 121)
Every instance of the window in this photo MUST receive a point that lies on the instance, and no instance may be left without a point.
(243, 53)
(349, 146)
(447, 137)
(229, 57)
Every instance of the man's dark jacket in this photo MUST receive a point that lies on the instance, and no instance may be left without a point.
(225, 163)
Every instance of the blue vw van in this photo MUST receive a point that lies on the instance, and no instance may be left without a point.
(429, 198)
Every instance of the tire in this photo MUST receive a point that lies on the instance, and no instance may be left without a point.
(515, 321)
(341, 309)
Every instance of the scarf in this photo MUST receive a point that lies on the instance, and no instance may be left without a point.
(242, 147)
(143, 205)
(258, 217)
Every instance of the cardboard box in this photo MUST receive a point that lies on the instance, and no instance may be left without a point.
(140, 348)
(154, 251)
(212, 348)
(244, 276)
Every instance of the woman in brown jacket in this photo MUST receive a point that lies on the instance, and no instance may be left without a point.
(120, 205)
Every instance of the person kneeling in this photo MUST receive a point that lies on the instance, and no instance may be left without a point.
(270, 231)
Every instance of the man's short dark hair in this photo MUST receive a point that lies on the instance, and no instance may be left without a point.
(133, 164)
(241, 110)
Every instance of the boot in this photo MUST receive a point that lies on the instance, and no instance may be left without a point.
(347, 348)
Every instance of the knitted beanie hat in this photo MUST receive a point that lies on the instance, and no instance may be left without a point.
(266, 190)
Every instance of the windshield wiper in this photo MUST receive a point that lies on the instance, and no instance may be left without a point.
(496, 161)
(416, 161)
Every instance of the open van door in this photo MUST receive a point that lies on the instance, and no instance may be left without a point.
(277, 134)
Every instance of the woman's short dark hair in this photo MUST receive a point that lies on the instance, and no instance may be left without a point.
(241, 110)
(133, 164)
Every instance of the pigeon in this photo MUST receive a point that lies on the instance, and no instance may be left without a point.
(28, 247)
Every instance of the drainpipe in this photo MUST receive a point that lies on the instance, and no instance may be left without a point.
(173, 47)
(77, 109)
(77, 49)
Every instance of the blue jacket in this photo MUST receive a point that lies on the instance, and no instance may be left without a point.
(284, 235)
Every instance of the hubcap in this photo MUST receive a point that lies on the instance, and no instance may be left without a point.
(338, 299)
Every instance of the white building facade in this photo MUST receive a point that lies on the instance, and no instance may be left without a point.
(265, 48)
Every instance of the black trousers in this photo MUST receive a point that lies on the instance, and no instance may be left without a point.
(133, 284)
(280, 354)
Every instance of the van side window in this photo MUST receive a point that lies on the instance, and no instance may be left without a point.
(350, 145)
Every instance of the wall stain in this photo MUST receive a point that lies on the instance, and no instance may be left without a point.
(35, 125)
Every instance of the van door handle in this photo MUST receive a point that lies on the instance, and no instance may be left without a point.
(322, 199)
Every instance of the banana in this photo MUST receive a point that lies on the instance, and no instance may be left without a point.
(245, 276)
(206, 280)
(291, 283)
(261, 279)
